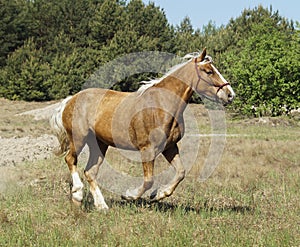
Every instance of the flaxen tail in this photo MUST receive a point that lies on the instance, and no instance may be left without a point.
(58, 128)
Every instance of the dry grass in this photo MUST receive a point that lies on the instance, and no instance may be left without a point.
(12, 125)
(252, 199)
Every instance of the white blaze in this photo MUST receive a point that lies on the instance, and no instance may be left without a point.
(224, 81)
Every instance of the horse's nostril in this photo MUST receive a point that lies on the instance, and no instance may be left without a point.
(230, 97)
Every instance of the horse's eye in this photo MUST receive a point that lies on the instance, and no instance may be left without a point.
(210, 72)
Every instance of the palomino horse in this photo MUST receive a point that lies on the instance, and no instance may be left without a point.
(149, 120)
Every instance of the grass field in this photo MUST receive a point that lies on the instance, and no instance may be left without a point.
(252, 199)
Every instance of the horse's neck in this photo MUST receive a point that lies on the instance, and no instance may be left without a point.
(179, 82)
(172, 95)
(174, 86)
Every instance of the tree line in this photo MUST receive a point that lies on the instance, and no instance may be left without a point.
(48, 49)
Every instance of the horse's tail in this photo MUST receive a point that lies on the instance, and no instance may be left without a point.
(57, 126)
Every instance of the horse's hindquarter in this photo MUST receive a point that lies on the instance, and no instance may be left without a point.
(109, 125)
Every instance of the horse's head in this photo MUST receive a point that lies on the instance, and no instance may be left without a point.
(210, 83)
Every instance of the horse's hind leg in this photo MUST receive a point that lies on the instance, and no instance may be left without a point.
(172, 155)
(97, 153)
(77, 187)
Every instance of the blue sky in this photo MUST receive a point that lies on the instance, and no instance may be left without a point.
(220, 11)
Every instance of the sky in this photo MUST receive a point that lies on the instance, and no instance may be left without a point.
(221, 11)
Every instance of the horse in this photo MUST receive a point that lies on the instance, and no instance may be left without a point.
(149, 120)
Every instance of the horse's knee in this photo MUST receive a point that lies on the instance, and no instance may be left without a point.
(91, 174)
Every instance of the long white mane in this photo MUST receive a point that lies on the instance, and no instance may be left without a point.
(186, 59)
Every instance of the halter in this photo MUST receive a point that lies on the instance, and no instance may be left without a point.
(199, 79)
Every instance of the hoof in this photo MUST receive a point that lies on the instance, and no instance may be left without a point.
(153, 195)
(160, 194)
(76, 203)
(77, 195)
(130, 195)
(103, 208)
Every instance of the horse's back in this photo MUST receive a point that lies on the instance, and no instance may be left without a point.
(93, 100)
(93, 111)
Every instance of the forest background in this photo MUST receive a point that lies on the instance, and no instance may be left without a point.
(49, 49)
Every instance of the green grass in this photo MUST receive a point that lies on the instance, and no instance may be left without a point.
(252, 199)
(265, 213)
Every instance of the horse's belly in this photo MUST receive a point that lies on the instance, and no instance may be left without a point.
(114, 134)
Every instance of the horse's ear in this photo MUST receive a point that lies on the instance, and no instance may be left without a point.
(202, 56)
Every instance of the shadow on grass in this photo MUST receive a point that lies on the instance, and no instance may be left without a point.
(164, 206)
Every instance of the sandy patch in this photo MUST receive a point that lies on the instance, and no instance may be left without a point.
(16, 150)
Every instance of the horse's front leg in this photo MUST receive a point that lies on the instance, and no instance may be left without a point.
(172, 155)
(147, 184)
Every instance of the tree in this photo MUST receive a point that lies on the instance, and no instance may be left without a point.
(14, 27)
(264, 65)
(50, 49)
(108, 19)
(184, 36)
(50, 18)
(25, 75)
(149, 23)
